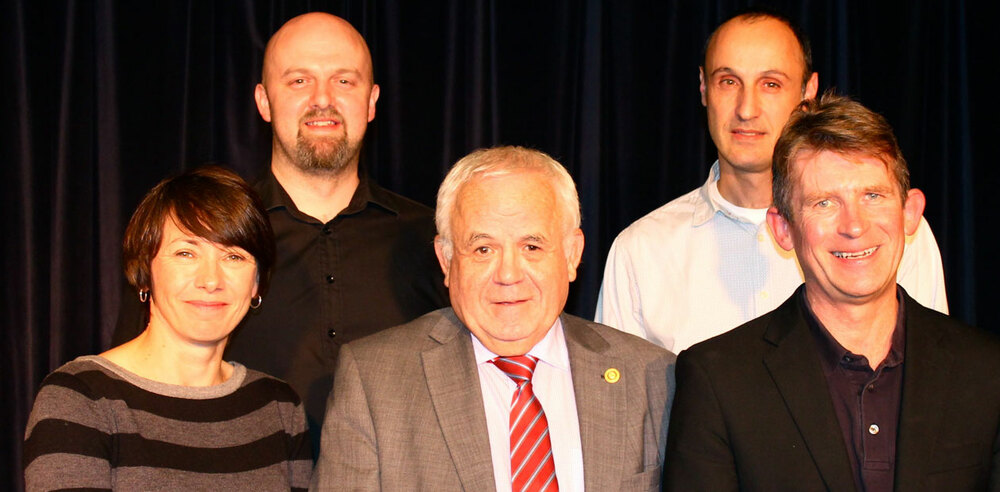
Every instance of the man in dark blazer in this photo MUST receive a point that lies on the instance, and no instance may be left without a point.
(850, 384)
(426, 405)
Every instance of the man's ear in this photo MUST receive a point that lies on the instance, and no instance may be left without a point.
(812, 87)
(574, 251)
(372, 99)
(701, 85)
(913, 210)
(443, 259)
(263, 104)
(781, 229)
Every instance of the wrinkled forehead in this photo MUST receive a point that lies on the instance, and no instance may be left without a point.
(519, 203)
(851, 162)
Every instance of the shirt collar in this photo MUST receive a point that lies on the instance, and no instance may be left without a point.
(551, 349)
(368, 192)
(708, 206)
(832, 353)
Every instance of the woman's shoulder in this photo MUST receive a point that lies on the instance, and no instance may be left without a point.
(85, 375)
(260, 390)
(82, 364)
(75, 395)
(261, 383)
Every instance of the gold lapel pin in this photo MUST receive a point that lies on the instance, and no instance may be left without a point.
(612, 375)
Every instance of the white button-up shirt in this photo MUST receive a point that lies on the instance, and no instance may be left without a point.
(698, 267)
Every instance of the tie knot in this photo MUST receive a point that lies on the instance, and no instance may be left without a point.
(518, 367)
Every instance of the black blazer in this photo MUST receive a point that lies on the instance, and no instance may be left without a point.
(753, 412)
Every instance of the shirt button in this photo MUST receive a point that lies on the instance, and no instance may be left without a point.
(760, 238)
(871, 387)
(873, 429)
(764, 294)
(326, 230)
(329, 279)
(331, 333)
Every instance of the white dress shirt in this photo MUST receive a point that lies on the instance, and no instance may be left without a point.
(699, 266)
(552, 384)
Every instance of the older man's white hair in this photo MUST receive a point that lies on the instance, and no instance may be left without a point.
(499, 161)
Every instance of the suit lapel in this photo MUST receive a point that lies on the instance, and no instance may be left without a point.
(453, 383)
(599, 405)
(927, 365)
(795, 368)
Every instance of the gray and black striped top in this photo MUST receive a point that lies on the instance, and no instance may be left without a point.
(95, 425)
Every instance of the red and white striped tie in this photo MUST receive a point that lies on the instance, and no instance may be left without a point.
(531, 465)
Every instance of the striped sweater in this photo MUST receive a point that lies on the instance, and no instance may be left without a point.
(95, 425)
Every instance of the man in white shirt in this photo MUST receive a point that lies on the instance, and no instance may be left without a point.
(441, 403)
(705, 262)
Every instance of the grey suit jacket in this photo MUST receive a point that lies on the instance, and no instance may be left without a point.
(753, 410)
(406, 411)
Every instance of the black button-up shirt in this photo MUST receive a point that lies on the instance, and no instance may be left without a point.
(369, 268)
(866, 401)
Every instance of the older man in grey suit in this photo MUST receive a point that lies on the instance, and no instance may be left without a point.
(502, 391)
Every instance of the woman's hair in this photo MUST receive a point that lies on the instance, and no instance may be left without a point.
(210, 202)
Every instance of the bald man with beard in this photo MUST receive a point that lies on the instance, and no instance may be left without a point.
(353, 258)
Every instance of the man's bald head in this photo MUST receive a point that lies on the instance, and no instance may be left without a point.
(318, 32)
(757, 14)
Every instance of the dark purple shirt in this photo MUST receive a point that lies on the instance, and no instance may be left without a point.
(866, 401)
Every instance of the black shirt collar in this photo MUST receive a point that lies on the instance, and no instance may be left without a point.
(832, 353)
(368, 193)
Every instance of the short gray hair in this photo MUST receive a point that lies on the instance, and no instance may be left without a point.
(498, 161)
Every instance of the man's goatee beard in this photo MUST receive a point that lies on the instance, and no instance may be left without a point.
(331, 160)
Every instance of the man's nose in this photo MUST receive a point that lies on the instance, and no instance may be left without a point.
(322, 94)
(853, 220)
(510, 271)
(747, 104)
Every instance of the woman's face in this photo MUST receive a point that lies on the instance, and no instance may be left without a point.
(200, 289)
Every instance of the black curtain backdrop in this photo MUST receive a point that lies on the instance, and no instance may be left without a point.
(105, 98)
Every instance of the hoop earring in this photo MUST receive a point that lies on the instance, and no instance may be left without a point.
(259, 299)
(143, 295)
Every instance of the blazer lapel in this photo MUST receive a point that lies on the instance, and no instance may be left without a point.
(453, 383)
(599, 406)
(795, 368)
(927, 365)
